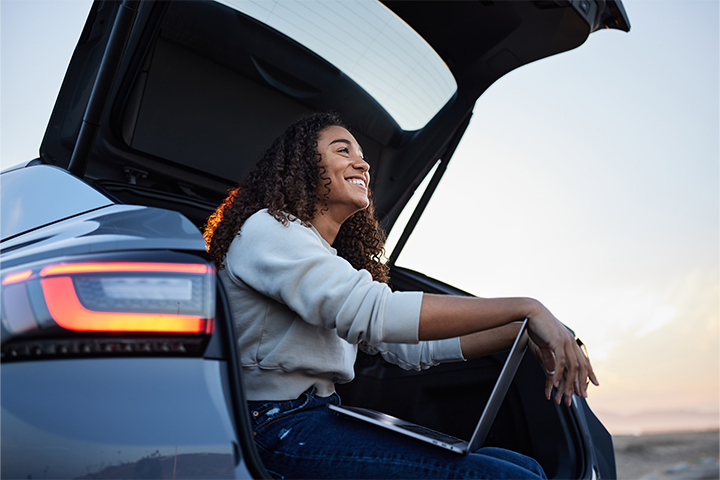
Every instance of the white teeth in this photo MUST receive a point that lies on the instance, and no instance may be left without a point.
(357, 181)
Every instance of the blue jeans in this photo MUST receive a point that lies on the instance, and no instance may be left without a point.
(303, 439)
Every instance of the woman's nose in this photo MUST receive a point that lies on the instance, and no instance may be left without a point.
(361, 164)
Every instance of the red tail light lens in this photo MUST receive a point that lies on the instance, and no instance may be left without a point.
(69, 313)
(112, 297)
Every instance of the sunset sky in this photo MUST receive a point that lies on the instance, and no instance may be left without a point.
(594, 184)
(588, 180)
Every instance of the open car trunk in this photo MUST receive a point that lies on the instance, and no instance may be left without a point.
(202, 89)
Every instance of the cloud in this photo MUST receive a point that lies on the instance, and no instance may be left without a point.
(662, 315)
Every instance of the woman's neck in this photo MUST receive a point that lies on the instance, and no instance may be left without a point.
(327, 226)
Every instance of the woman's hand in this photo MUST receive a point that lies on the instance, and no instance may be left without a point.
(568, 367)
(547, 359)
(445, 316)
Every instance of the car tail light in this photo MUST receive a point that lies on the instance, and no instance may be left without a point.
(110, 306)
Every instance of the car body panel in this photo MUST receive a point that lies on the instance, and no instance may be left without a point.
(38, 191)
(142, 415)
(84, 222)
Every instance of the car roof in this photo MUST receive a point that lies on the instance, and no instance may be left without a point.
(201, 89)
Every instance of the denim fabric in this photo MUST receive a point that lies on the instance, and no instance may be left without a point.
(303, 439)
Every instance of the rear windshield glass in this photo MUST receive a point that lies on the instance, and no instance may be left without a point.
(40, 195)
(371, 45)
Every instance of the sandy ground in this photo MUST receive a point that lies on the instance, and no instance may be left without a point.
(662, 456)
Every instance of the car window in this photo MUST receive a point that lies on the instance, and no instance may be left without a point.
(40, 195)
(371, 45)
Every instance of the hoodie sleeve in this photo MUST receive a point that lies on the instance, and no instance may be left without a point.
(420, 356)
(293, 265)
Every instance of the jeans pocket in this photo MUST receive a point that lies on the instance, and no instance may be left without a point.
(264, 414)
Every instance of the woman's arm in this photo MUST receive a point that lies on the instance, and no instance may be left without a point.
(488, 342)
(443, 316)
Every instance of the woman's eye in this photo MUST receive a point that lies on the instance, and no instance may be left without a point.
(344, 150)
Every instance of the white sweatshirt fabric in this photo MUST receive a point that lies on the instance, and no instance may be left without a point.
(301, 311)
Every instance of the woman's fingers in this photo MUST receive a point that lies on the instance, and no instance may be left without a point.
(587, 374)
(593, 378)
(562, 372)
(572, 368)
(548, 385)
(579, 373)
(565, 383)
(591, 374)
(547, 359)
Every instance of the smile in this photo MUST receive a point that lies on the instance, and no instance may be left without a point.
(357, 181)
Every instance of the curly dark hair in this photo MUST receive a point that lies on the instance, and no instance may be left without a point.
(285, 182)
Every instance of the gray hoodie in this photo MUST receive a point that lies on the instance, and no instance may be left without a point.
(301, 312)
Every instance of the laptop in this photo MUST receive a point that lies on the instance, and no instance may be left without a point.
(438, 438)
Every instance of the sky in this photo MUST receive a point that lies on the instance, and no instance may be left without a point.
(588, 180)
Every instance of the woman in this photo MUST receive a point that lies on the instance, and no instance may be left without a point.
(299, 249)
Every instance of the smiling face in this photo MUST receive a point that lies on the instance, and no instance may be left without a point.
(345, 173)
